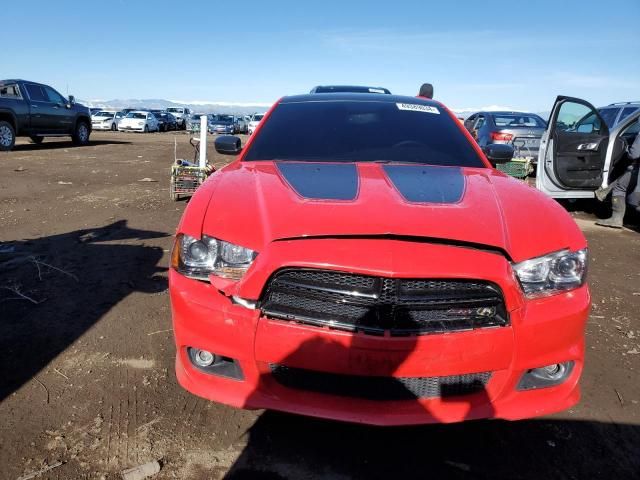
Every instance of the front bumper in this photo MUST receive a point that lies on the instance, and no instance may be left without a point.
(223, 131)
(127, 128)
(542, 332)
(101, 126)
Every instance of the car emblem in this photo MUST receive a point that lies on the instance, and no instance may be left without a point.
(486, 311)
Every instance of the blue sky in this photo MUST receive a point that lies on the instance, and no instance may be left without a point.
(516, 54)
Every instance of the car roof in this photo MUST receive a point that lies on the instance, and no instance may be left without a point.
(16, 80)
(357, 97)
(349, 88)
(621, 104)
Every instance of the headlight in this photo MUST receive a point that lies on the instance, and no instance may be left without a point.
(552, 273)
(209, 256)
(140, 124)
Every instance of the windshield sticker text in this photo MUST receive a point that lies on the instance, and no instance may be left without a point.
(417, 108)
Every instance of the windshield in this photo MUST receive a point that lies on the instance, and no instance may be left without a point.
(518, 120)
(257, 118)
(222, 119)
(136, 115)
(175, 110)
(363, 131)
(103, 114)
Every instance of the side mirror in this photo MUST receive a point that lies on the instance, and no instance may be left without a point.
(228, 145)
(72, 100)
(498, 153)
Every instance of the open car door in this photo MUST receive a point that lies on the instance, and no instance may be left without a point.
(573, 150)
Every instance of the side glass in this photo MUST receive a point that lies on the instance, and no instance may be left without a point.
(36, 93)
(576, 117)
(626, 112)
(54, 97)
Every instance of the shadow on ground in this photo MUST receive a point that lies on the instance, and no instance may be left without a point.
(71, 280)
(284, 446)
(49, 145)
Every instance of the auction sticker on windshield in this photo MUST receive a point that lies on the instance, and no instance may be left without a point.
(417, 108)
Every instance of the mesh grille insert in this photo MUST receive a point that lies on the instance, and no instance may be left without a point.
(379, 306)
(380, 388)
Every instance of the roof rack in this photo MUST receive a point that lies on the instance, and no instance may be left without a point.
(623, 103)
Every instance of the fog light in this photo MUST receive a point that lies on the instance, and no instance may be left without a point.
(547, 376)
(552, 372)
(215, 364)
(203, 358)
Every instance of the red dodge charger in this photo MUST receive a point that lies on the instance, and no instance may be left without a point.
(361, 260)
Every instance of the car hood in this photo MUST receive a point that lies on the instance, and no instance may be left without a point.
(255, 203)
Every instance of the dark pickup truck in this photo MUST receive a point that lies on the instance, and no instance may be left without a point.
(30, 109)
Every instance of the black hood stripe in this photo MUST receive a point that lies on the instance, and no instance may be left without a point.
(425, 184)
(321, 181)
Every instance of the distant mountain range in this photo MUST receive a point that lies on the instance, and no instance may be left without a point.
(195, 106)
(240, 108)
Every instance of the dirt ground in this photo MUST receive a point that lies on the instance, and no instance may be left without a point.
(86, 352)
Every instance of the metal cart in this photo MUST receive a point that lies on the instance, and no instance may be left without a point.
(522, 163)
(186, 177)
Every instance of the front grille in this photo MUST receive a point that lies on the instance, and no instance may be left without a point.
(380, 388)
(379, 306)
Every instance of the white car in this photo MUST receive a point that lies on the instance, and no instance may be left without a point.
(182, 115)
(105, 120)
(579, 153)
(139, 121)
(255, 121)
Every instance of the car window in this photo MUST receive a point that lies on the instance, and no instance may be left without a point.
(36, 93)
(468, 123)
(626, 112)
(479, 123)
(53, 96)
(576, 117)
(632, 129)
(10, 91)
(518, 120)
(363, 131)
(609, 115)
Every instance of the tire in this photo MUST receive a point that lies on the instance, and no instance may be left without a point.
(81, 134)
(7, 136)
(114, 127)
(37, 140)
(146, 129)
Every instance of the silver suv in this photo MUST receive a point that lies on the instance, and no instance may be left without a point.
(182, 115)
(614, 113)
